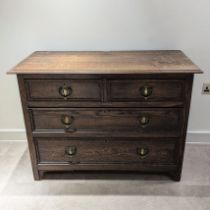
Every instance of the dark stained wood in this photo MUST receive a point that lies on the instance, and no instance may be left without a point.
(80, 90)
(105, 91)
(135, 167)
(28, 121)
(123, 62)
(130, 90)
(109, 122)
(105, 109)
(100, 151)
(88, 104)
(176, 175)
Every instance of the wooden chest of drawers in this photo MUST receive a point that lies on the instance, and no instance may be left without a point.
(107, 111)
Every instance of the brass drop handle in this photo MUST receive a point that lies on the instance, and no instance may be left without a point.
(67, 120)
(142, 152)
(144, 121)
(71, 151)
(65, 91)
(146, 91)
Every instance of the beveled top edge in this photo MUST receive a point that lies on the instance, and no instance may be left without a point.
(106, 62)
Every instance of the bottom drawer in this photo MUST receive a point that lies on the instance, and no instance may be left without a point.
(89, 151)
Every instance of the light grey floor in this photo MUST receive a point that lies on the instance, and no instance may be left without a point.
(111, 192)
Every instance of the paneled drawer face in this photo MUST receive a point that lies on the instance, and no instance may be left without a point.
(108, 122)
(145, 90)
(103, 151)
(66, 89)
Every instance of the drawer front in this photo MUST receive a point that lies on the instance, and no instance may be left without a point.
(105, 151)
(145, 90)
(108, 122)
(64, 90)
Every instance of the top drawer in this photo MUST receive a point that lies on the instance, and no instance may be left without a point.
(64, 89)
(106, 90)
(145, 90)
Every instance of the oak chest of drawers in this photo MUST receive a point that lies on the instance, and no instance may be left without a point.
(106, 111)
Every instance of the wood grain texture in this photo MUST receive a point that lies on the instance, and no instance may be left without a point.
(81, 90)
(105, 90)
(108, 123)
(123, 62)
(27, 120)
(105, 151)
(104, 108)
(107, 120)
(130, 90)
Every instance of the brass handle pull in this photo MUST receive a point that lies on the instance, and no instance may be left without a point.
(65, 91)
(142, 152)
(144, 121)
(70, 151)
(67, 120)
(146, 91)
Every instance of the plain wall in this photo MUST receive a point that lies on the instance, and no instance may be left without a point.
(31, 25)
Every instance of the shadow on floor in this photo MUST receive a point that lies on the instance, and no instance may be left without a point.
(21, 183)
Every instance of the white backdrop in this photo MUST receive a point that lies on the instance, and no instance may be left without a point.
(27, 26)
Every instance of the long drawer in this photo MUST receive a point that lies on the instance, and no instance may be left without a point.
(99, 151)
(107, 122)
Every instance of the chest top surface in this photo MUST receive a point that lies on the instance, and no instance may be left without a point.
(109, 62)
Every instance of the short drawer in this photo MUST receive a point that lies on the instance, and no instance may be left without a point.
(145, 90)
(108, 122)
(64, 89)
(105, 151)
